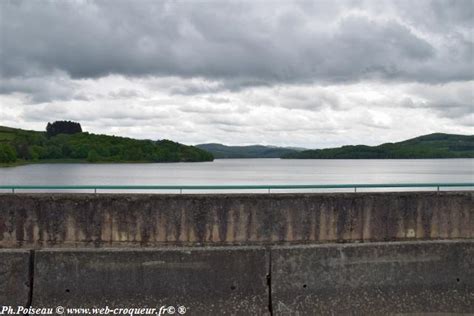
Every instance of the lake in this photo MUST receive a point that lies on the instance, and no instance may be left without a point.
(244, 171)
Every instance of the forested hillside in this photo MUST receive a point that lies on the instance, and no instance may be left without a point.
(436, 145)
(254, 151)
(61, 144)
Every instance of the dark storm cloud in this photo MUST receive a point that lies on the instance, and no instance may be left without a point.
(237, 43)
(438, 15)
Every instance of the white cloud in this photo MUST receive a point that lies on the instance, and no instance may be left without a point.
(291, 115)
(304, 73)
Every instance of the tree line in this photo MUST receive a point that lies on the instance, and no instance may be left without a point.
(65, 140)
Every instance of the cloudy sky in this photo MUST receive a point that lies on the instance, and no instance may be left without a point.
(298, 73)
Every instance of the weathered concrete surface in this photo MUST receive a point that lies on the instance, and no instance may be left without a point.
(216, 281)
(14, 277)
(106, 220)
(421, 278)
(394, 278)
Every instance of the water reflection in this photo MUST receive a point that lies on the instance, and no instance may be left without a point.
(245, 171)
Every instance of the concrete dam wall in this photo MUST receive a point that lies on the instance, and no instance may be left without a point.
(261, 254)
(87, 220)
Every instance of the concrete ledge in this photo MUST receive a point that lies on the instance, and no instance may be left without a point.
(206, 281)
(14, 277)
(374, 279)
(402, 278)
(120, 220)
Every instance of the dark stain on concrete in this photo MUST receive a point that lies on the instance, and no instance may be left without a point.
(426, 209)
(199, 219)
(222, 214)
(3, 227)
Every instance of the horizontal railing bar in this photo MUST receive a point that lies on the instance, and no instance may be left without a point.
(232, 187)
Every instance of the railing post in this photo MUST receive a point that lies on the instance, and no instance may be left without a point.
(95, 190)
(13, 190)
(268, 190)
(181, 191)
(438, 188)
(355, 189)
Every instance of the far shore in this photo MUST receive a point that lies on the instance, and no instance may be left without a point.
(19, 163)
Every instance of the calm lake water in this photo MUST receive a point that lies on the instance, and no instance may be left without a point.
(244, 171)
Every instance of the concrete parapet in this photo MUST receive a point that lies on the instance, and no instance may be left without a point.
(207, 281)
(394, 278)
(121, 220)
(15, 277)
(410, 278)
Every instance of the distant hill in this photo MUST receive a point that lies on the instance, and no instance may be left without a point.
(253, 151)
(19, 146)
(435, 145)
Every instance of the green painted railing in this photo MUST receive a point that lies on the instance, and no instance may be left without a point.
(181, 188)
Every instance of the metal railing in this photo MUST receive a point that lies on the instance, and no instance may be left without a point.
(268, 188)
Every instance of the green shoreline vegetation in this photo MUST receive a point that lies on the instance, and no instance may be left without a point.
(437, 145)
(64, 142)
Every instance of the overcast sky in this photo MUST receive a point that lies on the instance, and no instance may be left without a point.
(296, 73)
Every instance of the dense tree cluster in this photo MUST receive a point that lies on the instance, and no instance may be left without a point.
(63, 127)
(83, 146)
(7, 153)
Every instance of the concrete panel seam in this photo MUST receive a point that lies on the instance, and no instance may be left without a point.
(31, 277)
(269, 281)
